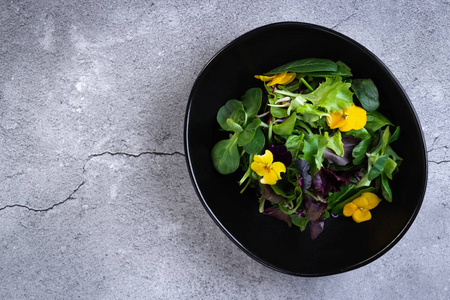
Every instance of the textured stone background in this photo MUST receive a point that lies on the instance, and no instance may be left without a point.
(95, 197)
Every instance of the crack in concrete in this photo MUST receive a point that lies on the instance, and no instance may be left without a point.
(442, 147)
(45, 209)
(136, 155)
(432, 144)
(71, 196)
(439, 161)
(343, 21)
(431, 149)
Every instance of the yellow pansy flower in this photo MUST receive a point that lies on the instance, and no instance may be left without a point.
(359, 208)
(281, 78)
(353, 117)
(264, 166)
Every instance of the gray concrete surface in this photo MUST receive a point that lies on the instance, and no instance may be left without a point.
(95, 197)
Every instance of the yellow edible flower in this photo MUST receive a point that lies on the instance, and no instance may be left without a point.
(263, 165)
(281, 78)
(359, 208)
(354, 117)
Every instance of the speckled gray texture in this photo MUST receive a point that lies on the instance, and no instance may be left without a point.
(96, 201)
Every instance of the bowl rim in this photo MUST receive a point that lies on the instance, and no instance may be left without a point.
(217, 221)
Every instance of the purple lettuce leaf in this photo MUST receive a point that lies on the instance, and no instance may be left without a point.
(313, 208)
(349, 143)
(277, 213)
(304, 175)
(316, 227)
(268, 193)
(333, 158)
(326, 181)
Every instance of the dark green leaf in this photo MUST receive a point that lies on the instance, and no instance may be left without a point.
(375, 121)
(294, 143)
(252, 102)
(378, 167)
(249, 132)
(385, 188)
(359, 152)
(395, 135)
(307, 65)
(299, 221)
(277, 112)
(225, 155)
(256, 144)
(233, 126)
(277, 190)
(367, 93)
(345, 192)
(389, 151)
(233, 110)
(361, 134)
(342, 70)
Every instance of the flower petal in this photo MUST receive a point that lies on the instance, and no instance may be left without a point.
(335, 120)
(356, 118)
(264, 78)
(277, 79)
(270, 178)
(259, 168)
(278, 167)
(361, 202)
(361, 215)
(266, 158)
(349, 209)
(282, 78)
(372, 200)
(289, 78)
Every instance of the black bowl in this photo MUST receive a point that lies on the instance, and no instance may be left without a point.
(343, 245)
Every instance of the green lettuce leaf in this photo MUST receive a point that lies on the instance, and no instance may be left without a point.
(313, 150)
(285, 128)
(335, 143)
(332, 95)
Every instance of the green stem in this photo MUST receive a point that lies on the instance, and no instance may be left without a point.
(307, 84)
(268, 89)
(249, 170)
(245, 187)
(269, 134)
(289, 211)
(262, 200)
(311, 194)
(234, 138)
(286, 93)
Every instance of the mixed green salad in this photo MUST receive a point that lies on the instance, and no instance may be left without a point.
(311, 143)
